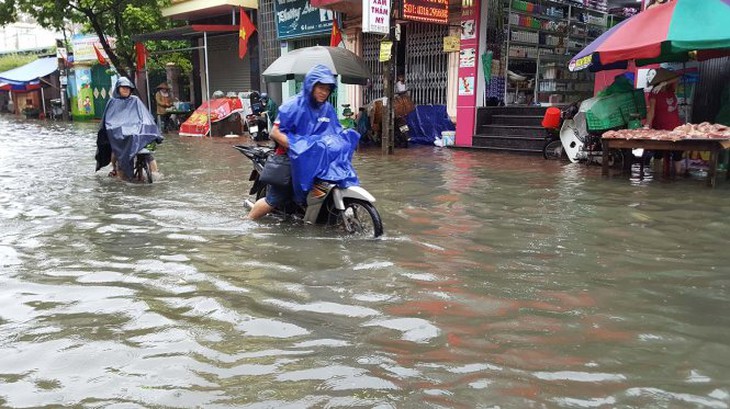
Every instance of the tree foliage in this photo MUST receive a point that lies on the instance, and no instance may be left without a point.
(113, 18)
(10, 61)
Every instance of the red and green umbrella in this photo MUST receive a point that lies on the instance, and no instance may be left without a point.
(672, 31)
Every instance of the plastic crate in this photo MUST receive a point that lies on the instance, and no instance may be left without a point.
(621, 107)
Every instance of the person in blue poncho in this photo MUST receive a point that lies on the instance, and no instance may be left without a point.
(308, 131)
(126, 127)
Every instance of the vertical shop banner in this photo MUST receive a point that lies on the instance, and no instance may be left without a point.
(466, 99)
(376, 16)
(298, 18)
(427, 11)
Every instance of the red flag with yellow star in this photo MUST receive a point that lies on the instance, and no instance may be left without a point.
(244, 33)
(336, 36)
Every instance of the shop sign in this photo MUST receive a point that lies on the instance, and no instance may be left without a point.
(297, 19)
(452, 44)
(376, 16)
(427, 11)
(83, 47)
(581, 63)
(386, 48)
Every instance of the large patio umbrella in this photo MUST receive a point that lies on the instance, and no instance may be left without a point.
(669, 32)
(294, 65)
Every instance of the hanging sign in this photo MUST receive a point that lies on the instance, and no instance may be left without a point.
(427, 11)
(83, 47)
(451, 44)
(297, 18)
(385, 50)
(376, 16)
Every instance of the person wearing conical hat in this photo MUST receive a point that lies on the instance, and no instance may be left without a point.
(163, 98)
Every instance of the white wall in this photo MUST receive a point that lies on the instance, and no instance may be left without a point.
(25, 36)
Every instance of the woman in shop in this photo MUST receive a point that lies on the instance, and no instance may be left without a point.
(662, 111)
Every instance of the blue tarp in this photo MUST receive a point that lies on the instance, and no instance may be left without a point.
(427, 122)
(30, 72)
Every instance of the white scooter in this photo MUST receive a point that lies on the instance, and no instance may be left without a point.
(580, 145)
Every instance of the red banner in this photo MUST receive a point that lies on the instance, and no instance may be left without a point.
(220, 109)
(428, 11)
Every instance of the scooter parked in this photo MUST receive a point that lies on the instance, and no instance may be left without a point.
(258, 120)
(568, 136)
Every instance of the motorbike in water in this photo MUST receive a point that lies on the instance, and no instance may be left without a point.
(568, 136)
(351, 209)
(401, 132)
(258, 120)
(142, 172)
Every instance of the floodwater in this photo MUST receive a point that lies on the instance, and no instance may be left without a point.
(502, 281)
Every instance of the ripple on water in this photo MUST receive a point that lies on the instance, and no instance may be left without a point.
(413, 329)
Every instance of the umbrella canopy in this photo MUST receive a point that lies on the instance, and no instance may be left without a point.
(668, 32)
(294, 65)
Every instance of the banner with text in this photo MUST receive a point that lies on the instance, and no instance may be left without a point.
(428, 11)
(376, 16)
(298, 18)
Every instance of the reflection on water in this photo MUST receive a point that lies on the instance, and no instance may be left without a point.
(502, 281)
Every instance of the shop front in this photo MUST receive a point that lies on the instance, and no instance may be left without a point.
(213, 28)
(28, 89)
(298, 25)
(418, 28)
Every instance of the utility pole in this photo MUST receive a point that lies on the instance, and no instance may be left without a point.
(61, 55)
(388, 140)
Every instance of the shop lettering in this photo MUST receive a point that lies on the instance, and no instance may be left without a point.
(291, 14)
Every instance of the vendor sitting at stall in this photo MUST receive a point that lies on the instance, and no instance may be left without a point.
(662, 112)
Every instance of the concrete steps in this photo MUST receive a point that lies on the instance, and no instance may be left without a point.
(513, 128)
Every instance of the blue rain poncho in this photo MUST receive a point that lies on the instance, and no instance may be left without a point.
(126, 127)
(318, 146)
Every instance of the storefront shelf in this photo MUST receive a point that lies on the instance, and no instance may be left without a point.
(535, 15)
(565, 80)
(565, 92)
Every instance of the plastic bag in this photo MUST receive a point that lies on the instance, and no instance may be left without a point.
(277, 171)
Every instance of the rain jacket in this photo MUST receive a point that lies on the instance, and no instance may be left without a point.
(318, 146)
(126, 127)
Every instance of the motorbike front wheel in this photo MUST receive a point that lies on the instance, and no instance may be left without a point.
(361, 217)
(553, 149)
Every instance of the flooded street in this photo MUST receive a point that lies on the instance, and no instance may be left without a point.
(501, 281)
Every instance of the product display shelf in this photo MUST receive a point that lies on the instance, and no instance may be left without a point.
(555, 30)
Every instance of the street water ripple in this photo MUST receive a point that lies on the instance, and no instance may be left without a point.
(502, 281)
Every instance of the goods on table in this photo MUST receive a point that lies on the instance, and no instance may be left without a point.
(704, 130)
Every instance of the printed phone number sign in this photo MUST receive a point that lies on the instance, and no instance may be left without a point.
(428, 11)
(297, 18)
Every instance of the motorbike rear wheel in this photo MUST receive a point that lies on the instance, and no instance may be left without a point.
(142, 168)
(615, 159)
(553, 149)
(361, 217)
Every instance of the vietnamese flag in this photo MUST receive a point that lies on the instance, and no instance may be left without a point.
(244, 33)
(141, 53)
(100, 56)
(336, 36)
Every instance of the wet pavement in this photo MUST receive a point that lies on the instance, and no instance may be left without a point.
(501, 281)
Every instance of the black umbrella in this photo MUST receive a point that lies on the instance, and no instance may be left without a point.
(294, 65)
